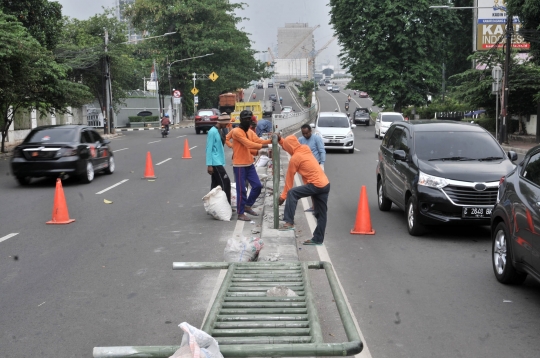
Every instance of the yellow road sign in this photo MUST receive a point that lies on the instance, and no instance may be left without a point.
(194, 91)
(213, 76)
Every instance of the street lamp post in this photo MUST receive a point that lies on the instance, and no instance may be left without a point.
(496, 73)
(184, 59)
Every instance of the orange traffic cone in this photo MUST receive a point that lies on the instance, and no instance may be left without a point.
(362, 225)
(60, 213)
(149, 170)
(187, 154)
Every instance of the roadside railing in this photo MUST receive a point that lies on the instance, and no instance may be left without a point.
(276, 172)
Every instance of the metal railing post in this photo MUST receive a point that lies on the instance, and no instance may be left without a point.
(276, 168)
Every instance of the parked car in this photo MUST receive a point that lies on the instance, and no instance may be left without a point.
(335, 130)
(286, 109)
(335, 89)
(384, 120)
(282, 85)
(361, 116)
(260, 85)
(270, 84)
(363, 94)
(272, 97)
(205, 119)
(440, 172)
(52, 151)
(515, 223)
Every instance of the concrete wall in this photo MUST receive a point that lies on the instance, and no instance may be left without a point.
(530, 126)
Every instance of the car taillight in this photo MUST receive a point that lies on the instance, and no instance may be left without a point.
(67, 152)
(197, 118)
(213, 117)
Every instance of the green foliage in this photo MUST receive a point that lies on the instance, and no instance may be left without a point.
(528, 12)
(474, 86)
(486, 122)
(201, 27)
(143, 118)
(394, 49)
(31, 78)
(305, 90)
(42, 18)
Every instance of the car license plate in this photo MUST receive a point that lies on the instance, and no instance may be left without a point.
(475, 212)
(334, 140)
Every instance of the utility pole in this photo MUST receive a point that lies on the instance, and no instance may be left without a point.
(504, 127)
(107, 120)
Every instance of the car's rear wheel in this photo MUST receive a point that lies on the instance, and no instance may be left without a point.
(502, 257)
(197, 130)
(88, 174)
(413, 225)
(384, 203)
(23, 180)
(367, 124)
(111, 167)
(376, 135)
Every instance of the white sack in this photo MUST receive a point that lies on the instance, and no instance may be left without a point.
(216, 204)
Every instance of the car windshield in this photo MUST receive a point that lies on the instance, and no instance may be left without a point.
(340, 122)
(51, 135)
(456, 146)
(391, 118)
(206, 113)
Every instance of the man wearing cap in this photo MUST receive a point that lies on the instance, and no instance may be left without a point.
(243, 141)
(215, 155)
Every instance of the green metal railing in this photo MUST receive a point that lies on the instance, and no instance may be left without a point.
(248, 323)
(276, 168)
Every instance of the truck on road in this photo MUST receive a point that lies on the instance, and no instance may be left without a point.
(227, 101)
(268, 108)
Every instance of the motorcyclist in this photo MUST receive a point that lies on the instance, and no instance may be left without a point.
(165, 122)
(349, 98)
(280, 100)
(254, 95)
(346, 106)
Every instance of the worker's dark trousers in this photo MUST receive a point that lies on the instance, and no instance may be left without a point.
(220, 177)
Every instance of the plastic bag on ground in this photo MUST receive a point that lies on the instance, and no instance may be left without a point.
(196, 344)
(216, 204)
(242, 250)
(233, 194)
(263, 161)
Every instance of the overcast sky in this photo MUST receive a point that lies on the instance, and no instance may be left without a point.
(264, 19)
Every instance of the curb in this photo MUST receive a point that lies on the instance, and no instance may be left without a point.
(515, 149)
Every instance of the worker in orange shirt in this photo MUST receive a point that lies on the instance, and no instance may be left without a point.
(243, 142)
(316, 185)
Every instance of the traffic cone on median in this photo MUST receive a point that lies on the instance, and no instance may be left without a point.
(362, 225)
(149, 170)
(60, 215)
(187, 154)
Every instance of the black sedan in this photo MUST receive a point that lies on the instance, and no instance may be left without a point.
(440, 172)
(54, 151)
(515, 223)
(361, 116)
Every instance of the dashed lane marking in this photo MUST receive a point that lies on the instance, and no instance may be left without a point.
(181, 136)
(113, 186)
(166, 160)
(154, 141)
(192, 147)
(119, 150)
(9, 236)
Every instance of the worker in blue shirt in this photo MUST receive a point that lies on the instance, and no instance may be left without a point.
(263, 126)
(315, 143)
(215, 156)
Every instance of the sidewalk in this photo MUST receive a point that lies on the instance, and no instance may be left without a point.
(520, 144)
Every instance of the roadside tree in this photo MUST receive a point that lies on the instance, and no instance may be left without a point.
(395, 49)
(202, 27)
(31, 78)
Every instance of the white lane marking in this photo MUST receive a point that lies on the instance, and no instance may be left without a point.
(8, 236)
(357, 149)
(192, 147)
(238, 229)
(118, 150)
(181, 136)
(324, 256)
(113, 186)
(154, 141)
(41, 304)
(166, 160)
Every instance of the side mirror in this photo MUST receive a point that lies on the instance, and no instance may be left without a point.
(400, 155)
(312, 125)
(512, 155)
(353, 125)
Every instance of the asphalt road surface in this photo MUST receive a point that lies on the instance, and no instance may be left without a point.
(106, 279)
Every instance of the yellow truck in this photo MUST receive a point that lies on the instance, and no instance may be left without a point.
(254, 107)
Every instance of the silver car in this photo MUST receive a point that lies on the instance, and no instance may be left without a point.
(335, 130)
(384, 120)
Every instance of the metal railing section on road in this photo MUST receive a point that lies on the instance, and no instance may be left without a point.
(247, 322)
(289, 122)
(276, 173)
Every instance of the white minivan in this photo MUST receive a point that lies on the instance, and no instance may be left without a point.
(335, 130)
(384, 120)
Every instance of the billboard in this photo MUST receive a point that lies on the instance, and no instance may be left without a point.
(491, 27)
(292, 68)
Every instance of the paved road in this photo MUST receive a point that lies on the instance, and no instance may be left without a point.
(107, 280)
